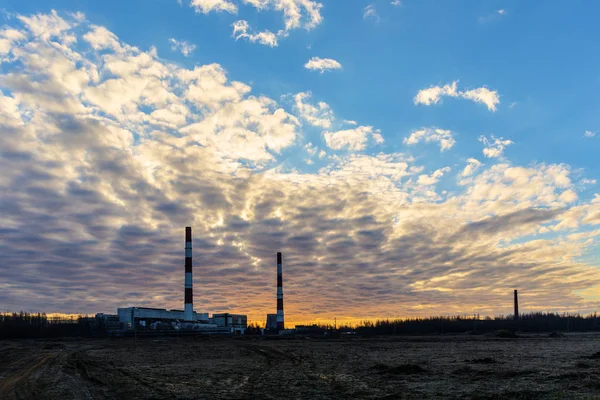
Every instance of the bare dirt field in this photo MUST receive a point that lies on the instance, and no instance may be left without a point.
(440, 367)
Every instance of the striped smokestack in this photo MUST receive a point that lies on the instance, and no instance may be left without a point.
(280, 320)
(188, 313)
(516, 305)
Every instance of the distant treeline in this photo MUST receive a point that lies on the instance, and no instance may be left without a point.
(25, 325)
(531, 323)
(29, 326)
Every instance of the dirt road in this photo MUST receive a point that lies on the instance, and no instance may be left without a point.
(382, 368)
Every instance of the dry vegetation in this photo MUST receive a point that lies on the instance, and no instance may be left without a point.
(467, 367)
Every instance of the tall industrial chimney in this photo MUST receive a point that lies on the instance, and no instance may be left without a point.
(516, 305)
(280, 320)
(188, 313)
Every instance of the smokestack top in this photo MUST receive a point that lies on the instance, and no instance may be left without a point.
(188, 234)
(278, 257)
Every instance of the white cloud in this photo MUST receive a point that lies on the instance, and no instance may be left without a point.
(494, 148)
(396, 3)
(184, 47)
(8, 38)
(296, 14)
(207, 6)
(350, 122)
(241, 28)
(483, 95)
(351, 139)
(371, 13)
(472, 166)
(501, 11)
(322, 64)
(45, 26)
(101, 38)
(434, 94)
(311, 149)
(427, 180)
(444, 137)
(378, 138)
(589, 134)
(318, 115)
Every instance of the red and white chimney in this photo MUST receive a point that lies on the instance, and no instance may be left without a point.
(280, 320)
(188, 313)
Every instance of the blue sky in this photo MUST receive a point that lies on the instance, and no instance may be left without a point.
(511, 86)
(539, 58)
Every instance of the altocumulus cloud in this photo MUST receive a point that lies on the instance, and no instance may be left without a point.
(107, 152)
(322, 64)
(296, 14)
(434, 94)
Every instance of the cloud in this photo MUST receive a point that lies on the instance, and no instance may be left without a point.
(444, 137)
(589, 134)
(323, 64)
(207, 6)
(396, 3)
(483, 95)
(45, 26)
(241, 28)
(319, 115)
(101, 38)
(472, 167)
(494, 147)
(490, 17)
(182, 46)
(352, 139)
(111, 151)
(296, 14)
(371, 13)
(434, 94)
(311, 149)
(427, 180)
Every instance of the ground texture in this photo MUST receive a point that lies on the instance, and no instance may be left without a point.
(442, 367)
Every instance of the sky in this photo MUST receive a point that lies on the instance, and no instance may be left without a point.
(409, 158)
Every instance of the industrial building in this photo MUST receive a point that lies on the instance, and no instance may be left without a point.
(143, 318)
(128, 315)
(271, 324)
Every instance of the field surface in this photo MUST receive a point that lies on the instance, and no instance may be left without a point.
(441, 367)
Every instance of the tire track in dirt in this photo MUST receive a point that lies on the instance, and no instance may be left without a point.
(102, 378)
(11, 387)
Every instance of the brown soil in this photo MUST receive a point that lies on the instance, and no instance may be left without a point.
(443, 367)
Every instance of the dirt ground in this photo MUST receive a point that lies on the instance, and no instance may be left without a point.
(442, 367)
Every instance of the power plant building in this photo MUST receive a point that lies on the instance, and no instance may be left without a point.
(128, 315)
(271, 322)
(142, 317)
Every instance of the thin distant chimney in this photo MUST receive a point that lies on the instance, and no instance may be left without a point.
(280, 319)
(516, 305)
(188, 313)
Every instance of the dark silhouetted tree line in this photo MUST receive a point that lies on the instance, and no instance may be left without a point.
(30, 326)
(530, 323)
